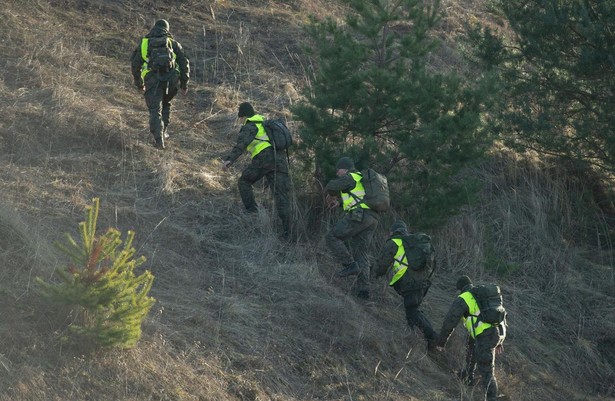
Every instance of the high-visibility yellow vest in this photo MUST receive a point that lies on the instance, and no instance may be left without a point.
(352, 199)
(261, 140)
(400, 262)
(472, 323)
(144, 47)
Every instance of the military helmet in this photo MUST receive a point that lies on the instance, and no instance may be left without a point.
(162, 23)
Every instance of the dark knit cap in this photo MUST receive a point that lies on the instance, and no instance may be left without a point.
(162, 23)
(462, 282)
(245, 110)
(345, 163)
(399, 226)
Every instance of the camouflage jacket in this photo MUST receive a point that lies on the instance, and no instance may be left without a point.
(265, 159)
(458, 310)
(410, 281)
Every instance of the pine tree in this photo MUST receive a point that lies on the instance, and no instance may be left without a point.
(557, 68)
(374, 98)
(109, 300)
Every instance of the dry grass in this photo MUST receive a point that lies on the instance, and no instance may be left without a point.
(530, 220)
(241, 316)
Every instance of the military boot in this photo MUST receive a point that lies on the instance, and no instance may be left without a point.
(159, 143)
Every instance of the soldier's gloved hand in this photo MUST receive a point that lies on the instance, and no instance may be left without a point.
(225, 165)
(332, 201)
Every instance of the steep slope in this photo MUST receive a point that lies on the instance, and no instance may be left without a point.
(241, 316)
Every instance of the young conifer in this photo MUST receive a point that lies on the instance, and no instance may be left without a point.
(557, 69)
(375, 97)
(109, 301)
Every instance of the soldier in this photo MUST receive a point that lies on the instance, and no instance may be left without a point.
(357, 226)
(265, 163)
(484, 339)
(159, 67)
(411, 281)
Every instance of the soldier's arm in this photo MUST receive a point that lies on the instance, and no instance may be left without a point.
(184, 64)
(136, 63)
(341, 184)
(385, 259)
(457, 310)
(246, 136)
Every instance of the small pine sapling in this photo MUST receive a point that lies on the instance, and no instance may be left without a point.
(109, 301)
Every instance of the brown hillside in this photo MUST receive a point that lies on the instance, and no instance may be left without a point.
(240, 315)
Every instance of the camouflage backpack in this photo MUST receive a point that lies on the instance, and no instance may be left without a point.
(278, 134)
(420, 253)
(376, 190)
(420, 257)
(489, 300)
(160, 55)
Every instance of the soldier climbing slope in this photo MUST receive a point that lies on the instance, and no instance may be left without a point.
(253, 138)
(409, 261)
(357, 226)
(484, 339)
(159, 66)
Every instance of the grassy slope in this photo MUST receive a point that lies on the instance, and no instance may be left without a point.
(239, 315)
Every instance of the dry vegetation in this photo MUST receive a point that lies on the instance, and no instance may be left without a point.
(241, 316)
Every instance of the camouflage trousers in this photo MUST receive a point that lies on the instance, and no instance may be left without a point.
(416, 317)
(158, 96)
(357, 229)
(275, 171)
(481, 354)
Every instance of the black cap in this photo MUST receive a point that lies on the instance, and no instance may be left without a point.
(245, 110)
(345, 163)
(399, 226)
(162, 23)
(463, 282)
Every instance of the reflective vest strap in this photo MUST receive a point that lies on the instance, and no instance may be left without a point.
(353, 198)
(400, 262)
(261, 139)
(472, 322)
(144, 46)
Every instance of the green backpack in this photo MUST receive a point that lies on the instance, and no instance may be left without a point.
(420, 253)
(489, 300)
(376, 190)
(160, 55)
(278, 133)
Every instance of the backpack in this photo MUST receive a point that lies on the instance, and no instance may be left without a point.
(420, 253)
(278, 133)
(161, 58)
(489, 300)
(376, 190)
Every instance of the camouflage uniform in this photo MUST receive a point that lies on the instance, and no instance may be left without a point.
(412, 286)
(160, 90)
(357, 227)
(268, 164)
(480, 350)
